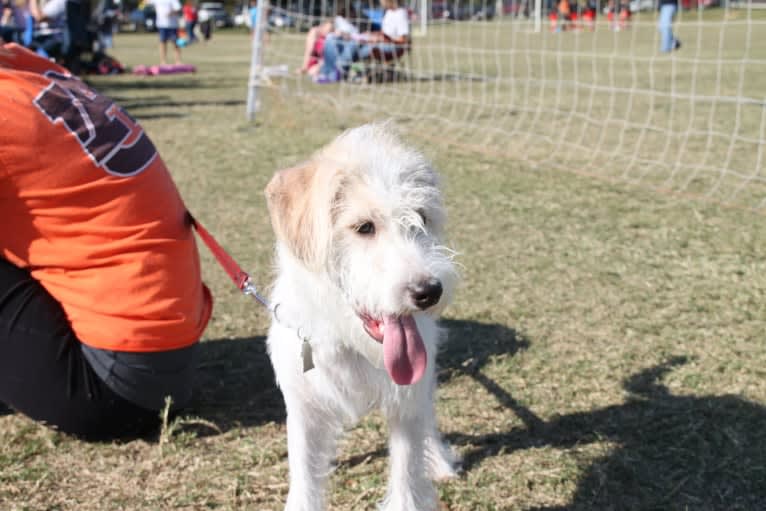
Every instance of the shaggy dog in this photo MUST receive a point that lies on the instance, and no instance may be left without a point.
(362, 273)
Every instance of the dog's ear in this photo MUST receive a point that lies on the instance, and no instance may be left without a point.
(299, 209)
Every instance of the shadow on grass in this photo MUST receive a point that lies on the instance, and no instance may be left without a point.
(181, 82)
(376, 74)
(178, 109)
(167, 102)
(120, 93)
(235, 385)
(469, 346)
(160, 115)
(673, 452)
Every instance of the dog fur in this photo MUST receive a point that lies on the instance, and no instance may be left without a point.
(362, 271)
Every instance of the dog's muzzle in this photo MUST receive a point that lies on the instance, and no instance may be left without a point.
(426, 293)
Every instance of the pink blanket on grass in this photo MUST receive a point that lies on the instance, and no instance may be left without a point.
(165, 69)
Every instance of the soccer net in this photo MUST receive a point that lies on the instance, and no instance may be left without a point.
(589, 93)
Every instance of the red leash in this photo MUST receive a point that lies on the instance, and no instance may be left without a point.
(241, 279)
(239, 276)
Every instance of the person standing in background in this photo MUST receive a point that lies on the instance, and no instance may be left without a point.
(205, 24)
(668, 41)
(252, 13)
(105, 16)
(190, 20)
(168, 12)
(70, 17)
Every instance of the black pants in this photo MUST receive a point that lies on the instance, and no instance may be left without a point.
(44, 374)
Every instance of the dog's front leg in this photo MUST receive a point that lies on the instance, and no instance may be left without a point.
(311, 445)
(409, 488)
(441, 461)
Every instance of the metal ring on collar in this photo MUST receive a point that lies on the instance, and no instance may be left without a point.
(274, 313)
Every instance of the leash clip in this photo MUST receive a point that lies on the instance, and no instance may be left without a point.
(248, 288)
(243, 282)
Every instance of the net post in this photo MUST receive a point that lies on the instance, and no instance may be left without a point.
(538, 15)
(256, 60)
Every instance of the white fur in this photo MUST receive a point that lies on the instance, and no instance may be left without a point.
(327, 274)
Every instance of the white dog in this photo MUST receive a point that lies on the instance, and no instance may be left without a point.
(362, 273)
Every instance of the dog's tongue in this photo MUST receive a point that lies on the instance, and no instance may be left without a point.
(404, 354)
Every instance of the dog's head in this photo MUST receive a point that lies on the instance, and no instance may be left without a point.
(367, 212)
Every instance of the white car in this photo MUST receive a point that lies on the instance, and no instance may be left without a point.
(216, 12)
(642, 5)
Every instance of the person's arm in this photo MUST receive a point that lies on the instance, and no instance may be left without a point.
(54, 9)
(373, 37)
(344, 28)
(34, 10)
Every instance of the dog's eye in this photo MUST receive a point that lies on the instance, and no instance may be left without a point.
(366, 229)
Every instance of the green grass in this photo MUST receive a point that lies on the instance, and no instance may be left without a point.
(606, 346)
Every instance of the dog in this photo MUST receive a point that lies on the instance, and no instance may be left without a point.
(361, 276)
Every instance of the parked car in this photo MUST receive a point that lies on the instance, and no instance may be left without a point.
(140, 20)
(242, 16)
(486, 12)
(217, 13)
(461, 10)
(642, 5)
(278, 18)
(439, 10)
(281, 19)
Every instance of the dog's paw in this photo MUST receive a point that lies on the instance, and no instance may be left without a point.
(444, 471)
(442, 462)
(425, 501)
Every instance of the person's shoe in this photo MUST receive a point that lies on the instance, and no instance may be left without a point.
(332, 77)
(677, 45)
(355, 73)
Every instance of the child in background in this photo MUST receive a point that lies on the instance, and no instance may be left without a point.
(168, 13)
(564, 15)
(190, 21)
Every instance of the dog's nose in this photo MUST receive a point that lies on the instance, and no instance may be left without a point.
(426, 293)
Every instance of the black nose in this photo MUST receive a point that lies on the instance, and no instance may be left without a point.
(426, 293)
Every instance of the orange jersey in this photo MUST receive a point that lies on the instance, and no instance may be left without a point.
(89, 208)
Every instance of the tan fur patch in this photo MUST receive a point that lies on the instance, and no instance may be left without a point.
(299, 201)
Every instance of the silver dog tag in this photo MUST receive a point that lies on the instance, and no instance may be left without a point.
(307, 356)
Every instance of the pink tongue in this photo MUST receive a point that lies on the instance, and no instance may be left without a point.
(404, 354)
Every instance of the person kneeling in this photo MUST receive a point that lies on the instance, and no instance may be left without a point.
(101, 298)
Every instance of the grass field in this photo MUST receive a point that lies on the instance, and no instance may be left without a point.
(603, 102)
(606, 347)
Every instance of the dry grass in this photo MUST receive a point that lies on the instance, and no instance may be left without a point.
(606, 348)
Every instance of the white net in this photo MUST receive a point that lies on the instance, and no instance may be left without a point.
(592, 96)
